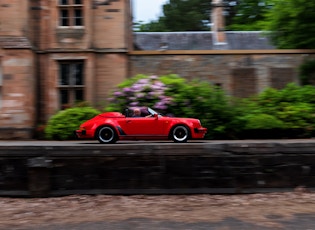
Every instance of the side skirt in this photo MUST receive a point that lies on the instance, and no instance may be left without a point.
(143, 137)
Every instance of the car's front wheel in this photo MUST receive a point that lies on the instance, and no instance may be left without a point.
(180, 133)
(106, 135)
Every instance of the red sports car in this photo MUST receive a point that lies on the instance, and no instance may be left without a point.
(140, 124)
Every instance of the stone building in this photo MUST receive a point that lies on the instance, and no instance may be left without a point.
(17, 72)
(54, 53)
(242, 63)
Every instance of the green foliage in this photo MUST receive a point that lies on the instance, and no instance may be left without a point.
(250, 15)
(262, 121)
(189, 15)
(294, 106)
(174, 95)
(62, 125)
(290, 108)
(297, 115)
(292, 24)
(192, 15)
(307, 72)
(153, 26)
(208, 103)
(292, 93)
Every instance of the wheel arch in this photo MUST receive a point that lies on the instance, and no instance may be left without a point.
(172, 127)
(106, 125)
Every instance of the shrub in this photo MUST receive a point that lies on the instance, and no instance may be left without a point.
(297, 115)
(294, 106)
(172, 94)
(62, 125)
(262, 121)
(140, 91)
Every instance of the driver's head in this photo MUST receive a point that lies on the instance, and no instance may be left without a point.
(136, 112)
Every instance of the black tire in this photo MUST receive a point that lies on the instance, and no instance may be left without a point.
(106, 135)
(180, 133)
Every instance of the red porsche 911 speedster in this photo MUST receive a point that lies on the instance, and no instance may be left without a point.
(140, 124)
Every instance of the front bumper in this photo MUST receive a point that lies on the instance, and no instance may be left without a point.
(199, 133)
(201, 130)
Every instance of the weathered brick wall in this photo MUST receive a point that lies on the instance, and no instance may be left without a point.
(110, 25)
(13, 17)
(110, 70)
(17, 108)
(230, 167)
(17, 93)
(238, 74)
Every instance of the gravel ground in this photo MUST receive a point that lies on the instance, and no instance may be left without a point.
(291, 210)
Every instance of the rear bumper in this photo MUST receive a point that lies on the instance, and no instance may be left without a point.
(81, 134)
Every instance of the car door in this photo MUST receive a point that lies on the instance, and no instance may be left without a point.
(143, 126)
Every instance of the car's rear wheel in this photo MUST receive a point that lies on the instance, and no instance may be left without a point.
(106, 135)
(180, 133)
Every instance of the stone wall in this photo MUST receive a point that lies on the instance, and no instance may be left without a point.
(17, 94)
(239, 73)
(217, 167)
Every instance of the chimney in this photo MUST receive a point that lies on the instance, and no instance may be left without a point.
(218, 24)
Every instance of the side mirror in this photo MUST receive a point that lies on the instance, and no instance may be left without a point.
(156, 116)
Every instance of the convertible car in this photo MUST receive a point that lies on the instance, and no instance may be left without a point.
(140, 124)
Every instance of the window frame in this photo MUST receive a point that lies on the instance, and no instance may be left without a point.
(70, 83)
(71, 19)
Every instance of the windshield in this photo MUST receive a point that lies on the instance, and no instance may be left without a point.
(151, 111)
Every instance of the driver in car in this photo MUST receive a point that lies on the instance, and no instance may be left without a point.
(136, 112)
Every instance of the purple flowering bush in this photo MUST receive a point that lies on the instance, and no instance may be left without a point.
(141, 90)
(173, 95)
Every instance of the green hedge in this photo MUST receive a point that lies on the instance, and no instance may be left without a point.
(289, 110)
(175, 96)
(62, 125)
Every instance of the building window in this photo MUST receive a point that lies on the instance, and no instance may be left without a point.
(70, 13)
(71, 83)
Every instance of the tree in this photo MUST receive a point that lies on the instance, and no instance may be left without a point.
(185, 15)
(180, 15)
(153, 26)
(292, 24)
(249, 15)
(192, 15)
